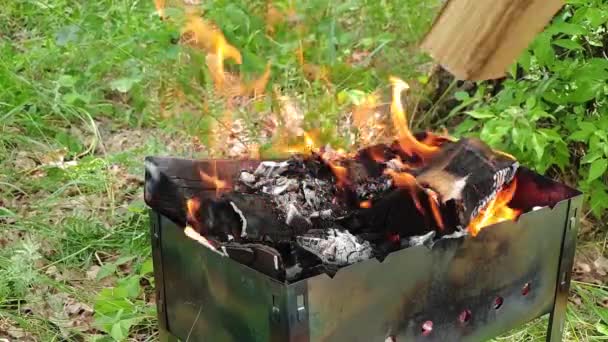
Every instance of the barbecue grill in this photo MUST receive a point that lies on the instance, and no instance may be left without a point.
(459, 289)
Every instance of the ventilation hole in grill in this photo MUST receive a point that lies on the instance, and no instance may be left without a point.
(498, 302)
(465, 316)
(427, 328)
(526, 289)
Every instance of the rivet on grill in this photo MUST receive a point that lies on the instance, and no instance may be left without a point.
(465, 316)
(498, 302)
(526, 289)
(427, 328)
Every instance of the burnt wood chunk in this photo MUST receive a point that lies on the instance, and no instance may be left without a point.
(257, 256)
(470, 173)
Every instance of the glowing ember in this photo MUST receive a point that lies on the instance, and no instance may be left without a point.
(407, 141)
(497, 210)
(365, 205)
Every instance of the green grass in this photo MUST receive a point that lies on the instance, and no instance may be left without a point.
(80, 103)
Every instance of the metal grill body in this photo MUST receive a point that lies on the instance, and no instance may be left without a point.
(462, 289)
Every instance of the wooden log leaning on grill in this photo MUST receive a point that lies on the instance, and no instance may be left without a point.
(480, 39)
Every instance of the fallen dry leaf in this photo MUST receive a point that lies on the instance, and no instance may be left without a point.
(291, 115)
(601, 265)
(23, 162)
(91, 273)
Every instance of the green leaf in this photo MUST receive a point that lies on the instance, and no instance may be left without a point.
(525, 60)
(106, 270)
(591, 157)
(123, 85)
(67, 34)
(146, 267)
(461, 95)
(118, 332)
(596, 16)
(597, 169)
(602, 328)
(66, 81)
(543, 51)
(567, 28)
(568, 44)
(124, 259)
(128, 287)
(477, 114)
(69, 141)
(538, 145)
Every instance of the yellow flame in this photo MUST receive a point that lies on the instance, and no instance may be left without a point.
(407, 141)
(208, 37)
(496, 211)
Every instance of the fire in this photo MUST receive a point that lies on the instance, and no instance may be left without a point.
(407, 141)
(206, 36)
(434, 204)
(213, 180)
(340, 172)
(497, 210)
(407, 181)
(192, 206)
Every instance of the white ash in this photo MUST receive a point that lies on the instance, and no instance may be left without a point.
(281, 185)
(247, 178)
(243, 219)
(422, 240)
(460, 232)
(271, 169)
(294, 214)
(323, 214)
(337, 247)
(298, 197)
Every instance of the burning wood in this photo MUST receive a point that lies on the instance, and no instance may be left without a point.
(327, 209)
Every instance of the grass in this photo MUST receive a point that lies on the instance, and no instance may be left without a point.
(90, 88)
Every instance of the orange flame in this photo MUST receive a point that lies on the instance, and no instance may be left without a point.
(434, 204)
(213, 180)
(496, 211)
(208, 37)
(407, 181)
(192, 205)
(407, 141)
(340, 172)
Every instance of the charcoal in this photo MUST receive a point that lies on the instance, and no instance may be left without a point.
(257, 256)
(470, 173)
(335, 246)
(251, 217)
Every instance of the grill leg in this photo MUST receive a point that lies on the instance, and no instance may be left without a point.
(557, 318)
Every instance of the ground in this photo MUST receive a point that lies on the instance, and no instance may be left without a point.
(91, 88)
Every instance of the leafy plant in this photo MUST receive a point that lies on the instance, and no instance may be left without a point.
(118, 309)
(552, 110)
